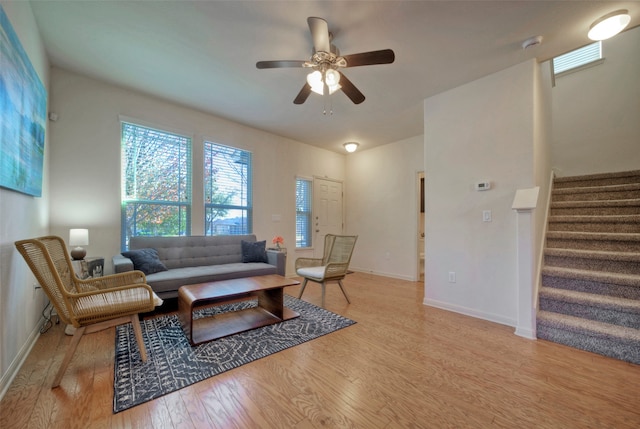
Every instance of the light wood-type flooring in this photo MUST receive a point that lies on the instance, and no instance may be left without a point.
(403, 365)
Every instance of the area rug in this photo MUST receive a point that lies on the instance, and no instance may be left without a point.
(173, 364)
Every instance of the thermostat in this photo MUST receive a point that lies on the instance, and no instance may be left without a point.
(483, 186)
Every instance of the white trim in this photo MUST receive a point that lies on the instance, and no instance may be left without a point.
(470, 312)
(18, 361)
(382, 274)
(155, 126)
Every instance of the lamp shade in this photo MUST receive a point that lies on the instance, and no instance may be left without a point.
(609, 25)
(78, 237)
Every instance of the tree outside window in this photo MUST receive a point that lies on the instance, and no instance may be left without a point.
(156, 183)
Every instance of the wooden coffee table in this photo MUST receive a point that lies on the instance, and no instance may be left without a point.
(270, 309)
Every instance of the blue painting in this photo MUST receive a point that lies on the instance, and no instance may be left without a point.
(23, 111)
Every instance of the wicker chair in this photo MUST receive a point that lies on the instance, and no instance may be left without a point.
(332, 267)
(89, 305)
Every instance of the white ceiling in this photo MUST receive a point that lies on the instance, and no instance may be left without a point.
(203, 53)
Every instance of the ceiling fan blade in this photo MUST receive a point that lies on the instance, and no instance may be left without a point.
(303, 94)
(385, 56)
(350, 90)
(279, 64)
(320, 34)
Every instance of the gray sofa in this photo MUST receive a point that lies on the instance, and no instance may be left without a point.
(178, 261)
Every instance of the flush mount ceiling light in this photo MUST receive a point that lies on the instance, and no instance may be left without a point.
(351, 146)
(609, 25)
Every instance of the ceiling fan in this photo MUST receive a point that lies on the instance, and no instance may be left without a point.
(326, 62)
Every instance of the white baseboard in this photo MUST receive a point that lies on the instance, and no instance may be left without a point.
(383, 274)
(526, 333)
(16, 364)
(470, 312)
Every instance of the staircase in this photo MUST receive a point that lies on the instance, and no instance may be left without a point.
(590, 293)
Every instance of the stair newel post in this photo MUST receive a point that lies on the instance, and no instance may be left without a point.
(524, 202)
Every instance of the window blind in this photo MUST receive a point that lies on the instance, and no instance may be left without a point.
(577, 58)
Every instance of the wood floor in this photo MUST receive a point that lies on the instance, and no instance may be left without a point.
(403, 365)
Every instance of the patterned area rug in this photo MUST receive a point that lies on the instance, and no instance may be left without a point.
(173, 364)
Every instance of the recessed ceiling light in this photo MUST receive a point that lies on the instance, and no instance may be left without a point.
(609, 25)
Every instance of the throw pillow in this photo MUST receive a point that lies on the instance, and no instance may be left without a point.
(145, 260)
(254, 251)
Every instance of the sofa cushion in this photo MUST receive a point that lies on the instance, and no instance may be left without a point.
(254, 252)
(166, 283)
(145, 260)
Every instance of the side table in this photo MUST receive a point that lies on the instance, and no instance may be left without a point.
(86, 268)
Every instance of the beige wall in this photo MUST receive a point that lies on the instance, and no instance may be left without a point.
(382, 207)
(596, 112)
(21, 216)
(481, 131)
(85, 161)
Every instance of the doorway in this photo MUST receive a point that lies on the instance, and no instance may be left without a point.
(420, 251)
(327, 211)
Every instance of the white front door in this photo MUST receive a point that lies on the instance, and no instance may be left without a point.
(327, 212)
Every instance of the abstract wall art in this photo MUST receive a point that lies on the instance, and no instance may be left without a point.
(23, 110)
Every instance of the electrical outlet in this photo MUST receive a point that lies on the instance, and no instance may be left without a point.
(452, 277)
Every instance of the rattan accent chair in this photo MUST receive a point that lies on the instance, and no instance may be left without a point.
(332, 267)
(89, 305)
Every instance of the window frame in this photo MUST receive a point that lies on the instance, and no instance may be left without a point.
(247, 207)
(308, 214)
(579, 64)
(184, 202)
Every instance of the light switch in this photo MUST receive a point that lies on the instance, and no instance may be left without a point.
(486, 215)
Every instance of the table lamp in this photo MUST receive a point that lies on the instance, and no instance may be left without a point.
(78, 237)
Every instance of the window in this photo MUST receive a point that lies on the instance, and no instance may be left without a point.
(303, 212)
(156, 182)
(575, 60)
(227, 190)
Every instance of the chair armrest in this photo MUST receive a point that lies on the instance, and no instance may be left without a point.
(129, 278)
(279, 259)
(104, 304)
(121, 264)
(335, 270)
(308, 262)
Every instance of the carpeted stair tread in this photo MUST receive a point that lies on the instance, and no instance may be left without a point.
(594, 328)
(600, 236)
(631, 176)
(595, 300)
(631, 202)
(597, 276)
(597, 189)
(594, 254)
(595, 218)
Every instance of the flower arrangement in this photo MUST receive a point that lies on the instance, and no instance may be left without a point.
(278, 240)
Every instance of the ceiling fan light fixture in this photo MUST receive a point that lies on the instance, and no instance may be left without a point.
(333, 88)
(332, 77)
(609, 25)
(314, 79)
(351, 146)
